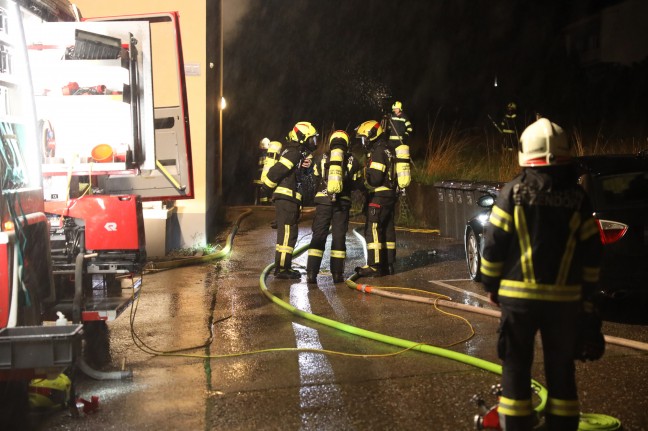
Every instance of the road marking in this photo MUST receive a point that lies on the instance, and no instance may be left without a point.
(451, 287)
(321, 403)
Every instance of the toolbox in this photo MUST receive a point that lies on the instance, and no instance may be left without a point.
(26, 347)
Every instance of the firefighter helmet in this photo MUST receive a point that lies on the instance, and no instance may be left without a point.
(264, 143)
(339, 138)
(543, 143)
(305, 134)
(50, 393)
(397, 105)
(368, 132)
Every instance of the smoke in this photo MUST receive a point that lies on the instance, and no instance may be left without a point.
(233, 11)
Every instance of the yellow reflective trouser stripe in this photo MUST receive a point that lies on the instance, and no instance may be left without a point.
(395, 137)
(588, 228)
(558, 407)
(375, 245)
(526, 252)
(381, 189)
(288, 192)
(568, 255)
(287, 163)
(391, 245)
(340, 254)
(284, 248)
(591, 275)
(511, 407)
(258, 182)
(315, 252)
(491, 269)
(377, 166)
(501, 219)
(545, 292)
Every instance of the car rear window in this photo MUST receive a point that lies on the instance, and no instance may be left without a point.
(625, 190)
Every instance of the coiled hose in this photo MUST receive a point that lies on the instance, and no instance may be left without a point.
(588, 422)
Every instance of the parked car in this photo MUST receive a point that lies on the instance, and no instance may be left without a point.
(618, 188)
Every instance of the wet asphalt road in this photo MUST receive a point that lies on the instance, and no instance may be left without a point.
(359, 384)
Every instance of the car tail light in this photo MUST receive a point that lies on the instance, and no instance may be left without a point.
(611, 231)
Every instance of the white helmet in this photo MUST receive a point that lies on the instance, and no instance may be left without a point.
(264, 144)
(543, 143)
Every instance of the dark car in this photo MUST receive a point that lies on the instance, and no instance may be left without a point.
(618, 188)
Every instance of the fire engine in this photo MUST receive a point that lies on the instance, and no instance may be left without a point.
(82, 147)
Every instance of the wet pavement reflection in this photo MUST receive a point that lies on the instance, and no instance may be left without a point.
(234, 365)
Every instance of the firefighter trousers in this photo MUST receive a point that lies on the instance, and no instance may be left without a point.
(557, 323)
(379, 232)
(336, 218)
(287, 213)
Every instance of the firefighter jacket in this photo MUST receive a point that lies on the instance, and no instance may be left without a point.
(400, 128)
(336, 176)
(282, 177)
(379, 170)
(260, 165)
(509, 124)
(542, 242)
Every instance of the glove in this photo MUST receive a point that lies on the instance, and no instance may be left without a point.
(590, 343)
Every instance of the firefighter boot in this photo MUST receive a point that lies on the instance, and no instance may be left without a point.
(338, 277)
(388, 269)
(311, 277)
(288, 274)
(368, 271)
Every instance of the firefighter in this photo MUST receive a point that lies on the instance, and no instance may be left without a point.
(261, 198)
(540, 264)
(271, 157)
(400, 127)
(380, 181)
(508, 127)
(336, 173)
(282, 179)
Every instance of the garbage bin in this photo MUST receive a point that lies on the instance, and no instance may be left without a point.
(450, 195)
(469, 206)
(459, 220)
(442, 206)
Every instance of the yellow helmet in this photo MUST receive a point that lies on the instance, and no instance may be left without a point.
(511, 106)
(368, 132)
(302, 131)
(397, 105)
(339, 138)
(50, 393)
(369, 129)
(543, 143)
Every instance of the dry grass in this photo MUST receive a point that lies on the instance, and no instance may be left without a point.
(478, 155)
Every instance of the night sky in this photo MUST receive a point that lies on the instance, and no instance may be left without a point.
(338, 63)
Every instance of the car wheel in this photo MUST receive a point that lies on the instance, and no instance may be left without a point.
(473, 259)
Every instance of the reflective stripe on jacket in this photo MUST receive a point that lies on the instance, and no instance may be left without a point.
(542, 241)
(282, 177)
